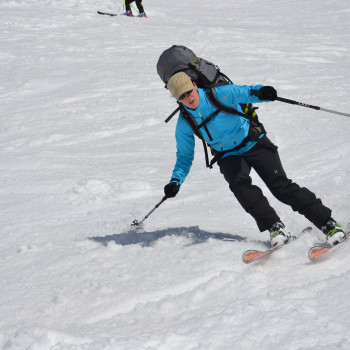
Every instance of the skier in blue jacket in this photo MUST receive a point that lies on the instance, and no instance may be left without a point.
(226, 132)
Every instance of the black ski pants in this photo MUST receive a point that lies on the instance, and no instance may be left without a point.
(138, 4)
(266, 162)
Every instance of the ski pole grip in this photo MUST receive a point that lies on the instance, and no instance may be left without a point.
(281, 99)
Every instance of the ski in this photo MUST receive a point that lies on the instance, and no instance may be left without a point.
(107, 13)
(319, 251)
(250, 256)
(115, 14)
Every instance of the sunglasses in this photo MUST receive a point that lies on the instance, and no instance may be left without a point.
(183, 96)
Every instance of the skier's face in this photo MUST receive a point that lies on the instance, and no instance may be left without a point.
(191, 98)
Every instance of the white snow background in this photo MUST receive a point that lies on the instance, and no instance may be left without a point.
(85, 151)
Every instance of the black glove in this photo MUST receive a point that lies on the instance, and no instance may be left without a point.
(171, 189)
(267, 93)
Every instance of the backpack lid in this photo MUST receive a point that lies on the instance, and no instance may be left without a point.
(175, 59)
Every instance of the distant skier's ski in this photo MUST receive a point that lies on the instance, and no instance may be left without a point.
(250, 256)
(107, 13)
(115, 14)
(321, 250)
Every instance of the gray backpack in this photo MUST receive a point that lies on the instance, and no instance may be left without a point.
(179, 58)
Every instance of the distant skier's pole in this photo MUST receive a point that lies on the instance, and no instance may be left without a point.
(135, 8)
(138, 223)
(281, 99)
(124, 7)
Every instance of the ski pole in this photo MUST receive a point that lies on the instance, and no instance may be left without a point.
(138, 223)
(285, 100)
(135, 9)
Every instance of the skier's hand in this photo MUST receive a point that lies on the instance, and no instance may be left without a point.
(267, 93)
(171, 189)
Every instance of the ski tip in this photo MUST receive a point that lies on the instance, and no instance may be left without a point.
(250, 256)
(316, 253)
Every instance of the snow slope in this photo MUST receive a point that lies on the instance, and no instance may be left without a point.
(84, 151)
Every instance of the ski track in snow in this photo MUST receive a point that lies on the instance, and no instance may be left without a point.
(84, 151)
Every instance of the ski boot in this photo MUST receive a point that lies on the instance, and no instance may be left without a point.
(128, 13)
(142, 14)
(334, 232)
(278, 235)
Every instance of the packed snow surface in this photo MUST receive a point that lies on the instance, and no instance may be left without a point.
(85, 151)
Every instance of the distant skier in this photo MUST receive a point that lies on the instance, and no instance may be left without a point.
(231, 133)
(139, 6)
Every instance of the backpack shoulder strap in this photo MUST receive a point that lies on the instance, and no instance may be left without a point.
(191, 121)
(188, 118)
(194, 126)
(248, 109)
(219, 105)
(172, 114)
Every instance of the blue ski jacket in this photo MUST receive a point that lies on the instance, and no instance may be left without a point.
(227, 131)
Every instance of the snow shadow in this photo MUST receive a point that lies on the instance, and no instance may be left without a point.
(194, 233)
